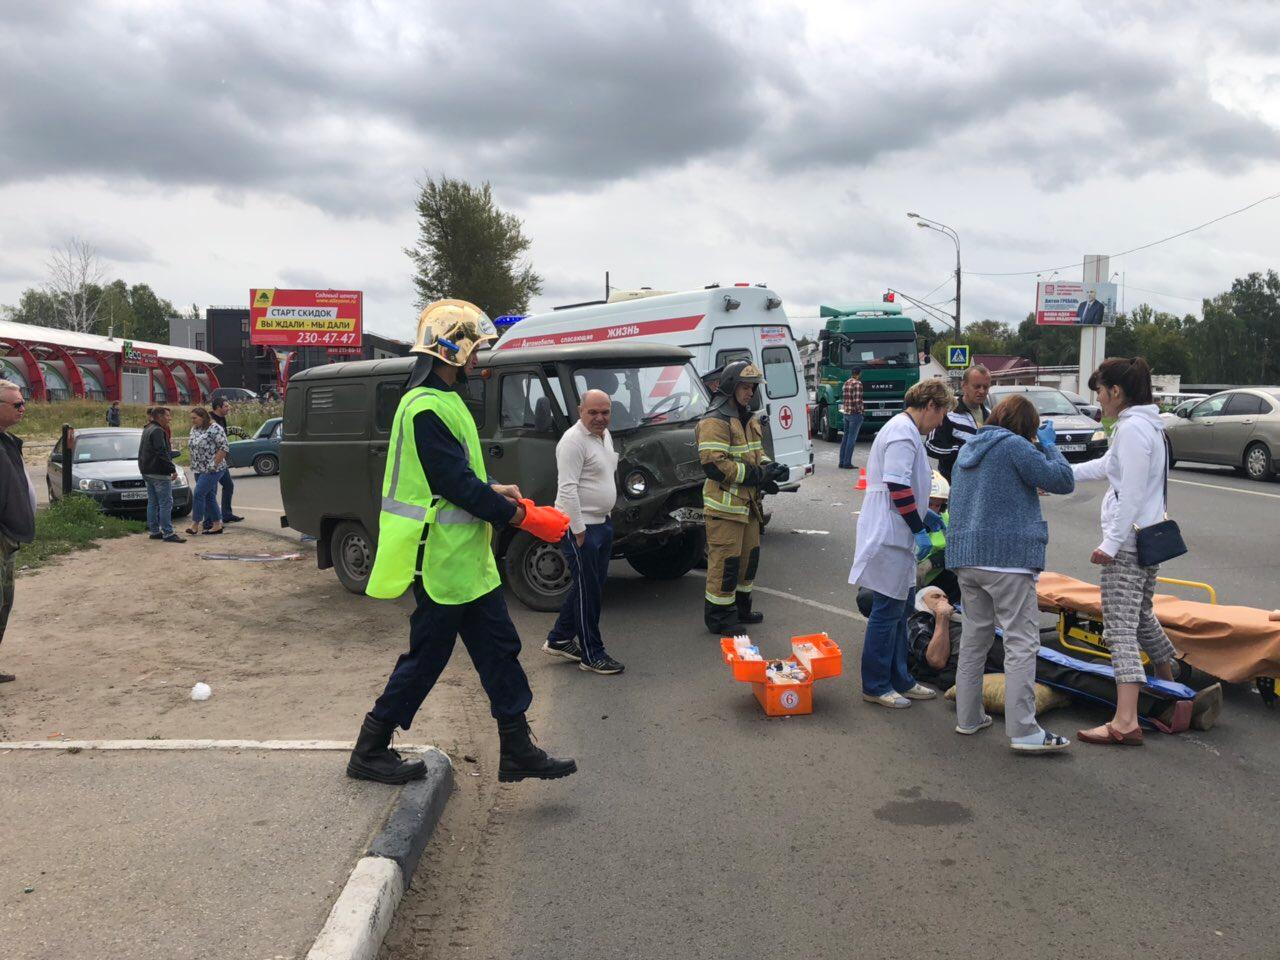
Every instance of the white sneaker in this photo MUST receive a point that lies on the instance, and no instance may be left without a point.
(921, 692)
(969, 731)
(895, 701)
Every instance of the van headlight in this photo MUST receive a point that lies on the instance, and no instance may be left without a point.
(1098, 435)
(97, 486)
(635, 484)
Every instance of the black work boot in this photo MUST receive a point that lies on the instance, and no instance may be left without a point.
(521, 759)
(743, 603)
(719, 619)
(373, 758)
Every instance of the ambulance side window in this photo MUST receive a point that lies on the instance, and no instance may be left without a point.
(728, 356)
(779, 372)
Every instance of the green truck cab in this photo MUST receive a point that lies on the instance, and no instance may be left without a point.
(878, 340)
(337, 425)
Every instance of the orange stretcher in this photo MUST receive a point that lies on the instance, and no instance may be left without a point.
(1236, 644)
(813, 657)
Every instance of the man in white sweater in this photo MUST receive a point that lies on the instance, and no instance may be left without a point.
(586, 464)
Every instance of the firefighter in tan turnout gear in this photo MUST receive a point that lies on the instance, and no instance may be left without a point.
(731, 450)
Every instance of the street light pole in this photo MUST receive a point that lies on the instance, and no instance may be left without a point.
(955, 238)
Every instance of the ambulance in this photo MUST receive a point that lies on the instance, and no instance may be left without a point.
(719, 325)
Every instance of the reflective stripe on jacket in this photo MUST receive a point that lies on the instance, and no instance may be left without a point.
(730, 449)
(457, 559)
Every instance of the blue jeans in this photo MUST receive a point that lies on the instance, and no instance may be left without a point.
(580, 614)
(884, 649)
(852, 424)
(228, 487)
(160, 505)
(205, 499)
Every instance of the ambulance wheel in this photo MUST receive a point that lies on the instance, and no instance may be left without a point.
(672, 559)
(824, 426)
(351, 548)
(536, 572)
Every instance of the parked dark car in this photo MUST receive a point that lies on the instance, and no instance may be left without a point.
(1091, 410)
(232, 395)
(1079, 437)
(1239, 428)
(261, 451)
(337, 425)
(104, 466)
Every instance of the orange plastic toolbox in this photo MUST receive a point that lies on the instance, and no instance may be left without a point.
(815, 656)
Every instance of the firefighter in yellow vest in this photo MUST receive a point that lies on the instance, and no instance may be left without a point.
(731, 450)
(434, 533)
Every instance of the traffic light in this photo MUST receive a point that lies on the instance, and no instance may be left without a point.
(888, 297)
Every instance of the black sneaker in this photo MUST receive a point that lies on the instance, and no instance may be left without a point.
(605, 665)
(570, 651)
(157, 536)
(174, 538)
(231, 518)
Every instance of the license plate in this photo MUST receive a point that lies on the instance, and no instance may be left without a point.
(133, 495)
(878, 414)
(1072, 448)
(687, 515)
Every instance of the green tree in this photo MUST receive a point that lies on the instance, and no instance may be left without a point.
(470, 249)
(36, 307)
(982, 336)
(1238, 339)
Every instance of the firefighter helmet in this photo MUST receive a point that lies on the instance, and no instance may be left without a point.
(939, 489)
(452, 330)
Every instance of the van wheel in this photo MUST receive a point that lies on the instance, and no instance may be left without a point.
(824, 426)
(537, 572)
(352, 551)
(266, 464)
(1257, 462)
(671, 560)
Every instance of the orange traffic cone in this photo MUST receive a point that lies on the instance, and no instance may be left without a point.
(862, 479)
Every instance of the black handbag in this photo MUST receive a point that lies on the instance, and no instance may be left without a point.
(1160, 541)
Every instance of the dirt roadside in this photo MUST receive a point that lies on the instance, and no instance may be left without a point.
(108, 643)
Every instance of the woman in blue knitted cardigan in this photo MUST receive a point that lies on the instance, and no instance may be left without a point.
(996, 544)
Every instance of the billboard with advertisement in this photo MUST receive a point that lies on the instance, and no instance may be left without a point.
(1070, 303)
(305, 318)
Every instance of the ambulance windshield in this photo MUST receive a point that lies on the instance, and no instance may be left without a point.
(646, 395)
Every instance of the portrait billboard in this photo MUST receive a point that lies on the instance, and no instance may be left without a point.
(1070, 303)
(305, 318)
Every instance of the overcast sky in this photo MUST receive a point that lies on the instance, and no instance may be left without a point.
(206, 148)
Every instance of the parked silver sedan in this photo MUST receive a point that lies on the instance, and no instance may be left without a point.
(1239, 428)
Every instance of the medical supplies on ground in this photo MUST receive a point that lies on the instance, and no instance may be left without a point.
(784, 687)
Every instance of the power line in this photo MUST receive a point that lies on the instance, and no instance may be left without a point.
(1122, 253)
(1161, 293)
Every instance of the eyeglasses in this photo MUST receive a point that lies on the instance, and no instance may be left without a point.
(16, 404)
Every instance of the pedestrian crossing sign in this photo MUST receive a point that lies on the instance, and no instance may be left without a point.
(958, 355)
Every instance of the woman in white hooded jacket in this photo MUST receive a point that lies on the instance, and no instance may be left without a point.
(1134, 467)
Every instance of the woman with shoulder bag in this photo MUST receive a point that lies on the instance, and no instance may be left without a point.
(1136, 468)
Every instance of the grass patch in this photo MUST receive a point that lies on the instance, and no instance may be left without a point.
(73, 523)
(43, 422)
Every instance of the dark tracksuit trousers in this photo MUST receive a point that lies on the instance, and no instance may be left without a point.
(580, 614)
(484, 624)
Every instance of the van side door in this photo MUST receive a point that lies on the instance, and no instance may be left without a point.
(520, 447)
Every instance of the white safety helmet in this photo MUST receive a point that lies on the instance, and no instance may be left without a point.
(939, 489)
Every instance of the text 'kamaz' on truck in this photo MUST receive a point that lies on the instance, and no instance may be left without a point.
(876, 339)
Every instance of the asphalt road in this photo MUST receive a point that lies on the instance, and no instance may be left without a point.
(697, 828)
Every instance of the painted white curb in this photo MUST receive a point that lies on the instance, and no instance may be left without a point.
(361, 917)
(194, 745)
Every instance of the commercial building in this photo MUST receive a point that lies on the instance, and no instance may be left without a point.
(52, 364)
(224, 332)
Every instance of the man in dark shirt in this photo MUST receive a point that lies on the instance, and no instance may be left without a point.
(17, 499)
(155, 463)
(219, 412)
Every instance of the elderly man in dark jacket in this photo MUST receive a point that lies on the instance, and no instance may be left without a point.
(17, 499)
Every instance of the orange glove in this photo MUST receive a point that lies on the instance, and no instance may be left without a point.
(545, 523)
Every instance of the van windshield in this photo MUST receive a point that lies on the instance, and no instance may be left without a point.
(878, 353)
(643, 395)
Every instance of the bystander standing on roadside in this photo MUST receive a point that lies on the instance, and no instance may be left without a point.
(17, 499)
(996, 544)
(851, 409)
(155, 463)
(893, 536)
(219, 410)
(587, 491)
(1135, 466)
(208, 449)
(970, 413)
(113, 414)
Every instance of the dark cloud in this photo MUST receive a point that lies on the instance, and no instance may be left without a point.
(343, 109)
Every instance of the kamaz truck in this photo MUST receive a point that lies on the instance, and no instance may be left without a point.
(878, 340)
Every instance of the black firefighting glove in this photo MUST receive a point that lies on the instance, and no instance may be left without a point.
(777, 472)
(769, 487)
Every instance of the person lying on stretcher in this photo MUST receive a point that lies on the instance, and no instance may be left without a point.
(933, 647)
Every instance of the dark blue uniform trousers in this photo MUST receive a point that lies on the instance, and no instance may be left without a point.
(490, 638)
(580, 613)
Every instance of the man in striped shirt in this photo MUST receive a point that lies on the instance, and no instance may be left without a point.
(971, 412)
(852, 410)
